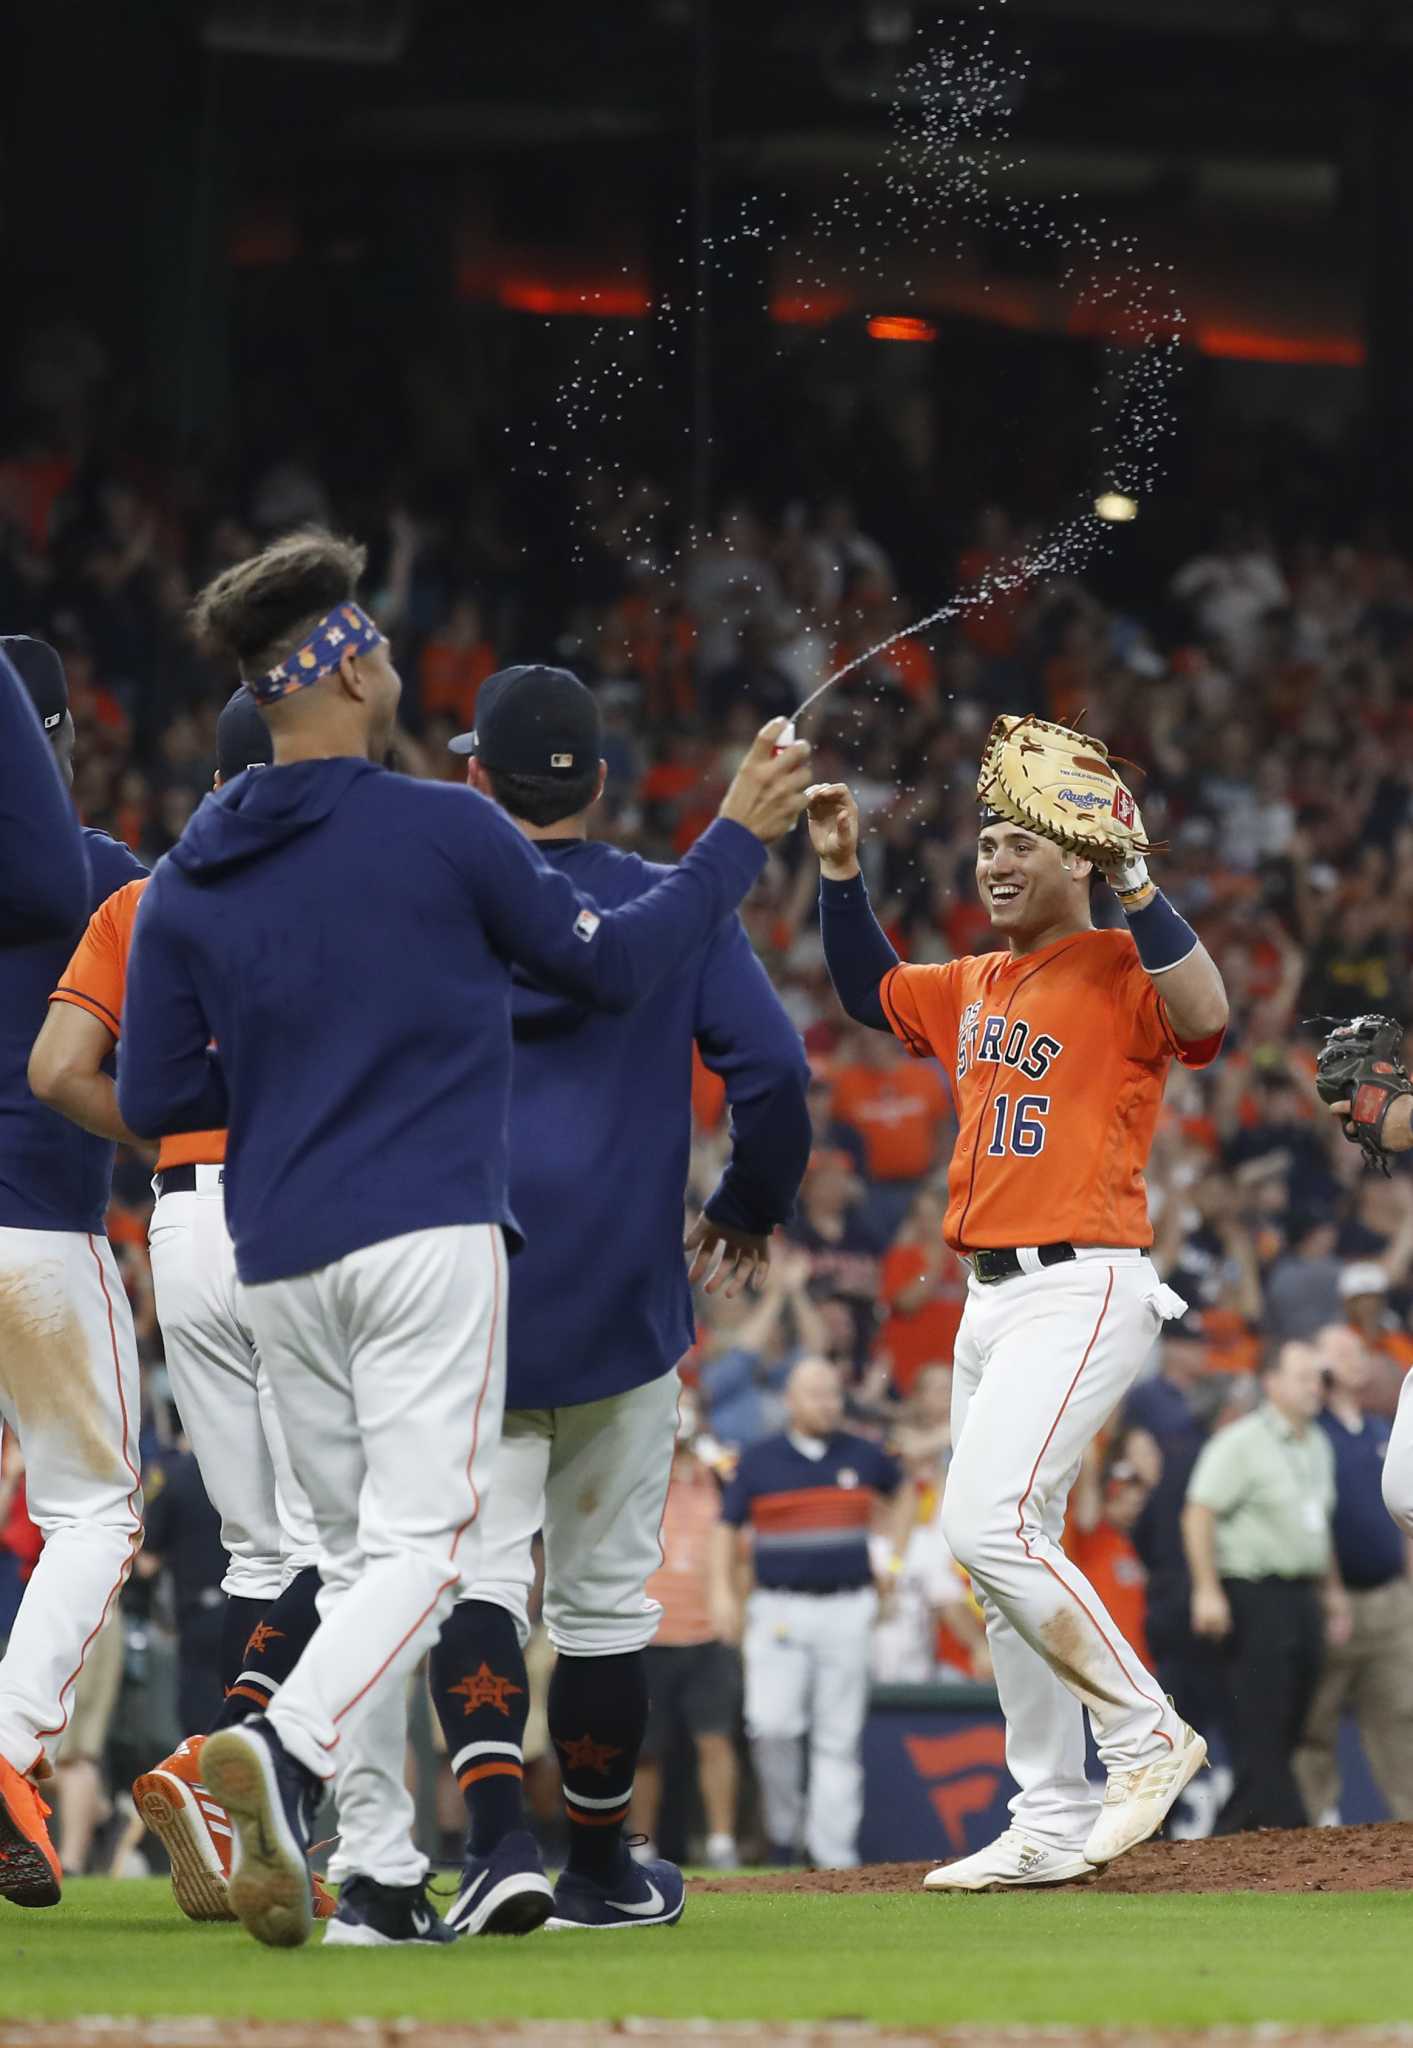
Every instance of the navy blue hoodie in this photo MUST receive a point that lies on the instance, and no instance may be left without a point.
(346, 935)
(600, 1132)
(53, 1176)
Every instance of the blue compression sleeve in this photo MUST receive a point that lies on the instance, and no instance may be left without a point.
(856, 950)
(1163, 936)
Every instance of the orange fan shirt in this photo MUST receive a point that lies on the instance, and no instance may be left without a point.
(922, 1336)
(94, 980)
(1112, 1567)
(680, 1583)
(896, 1111)
(1057, 1063)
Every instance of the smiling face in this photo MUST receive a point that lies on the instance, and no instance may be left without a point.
(1028, 885)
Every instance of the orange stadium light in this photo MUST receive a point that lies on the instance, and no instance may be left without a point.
(900, 327)
(809, 309)
(616, 301)
(1244, 344)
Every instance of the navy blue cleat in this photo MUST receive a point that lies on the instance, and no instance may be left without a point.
(639, 1895)
(272, 1801)
(373, 1915)
(505, 1892)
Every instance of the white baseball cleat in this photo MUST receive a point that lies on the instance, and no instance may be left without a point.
(1136, 1803)
(1013, 1859)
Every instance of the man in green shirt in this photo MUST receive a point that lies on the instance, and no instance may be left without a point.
(1257, 1531)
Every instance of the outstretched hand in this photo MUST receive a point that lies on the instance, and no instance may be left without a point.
(727, 1260)
(768, 792)
(834, 829)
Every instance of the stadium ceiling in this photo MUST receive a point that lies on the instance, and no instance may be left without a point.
(1250, 76)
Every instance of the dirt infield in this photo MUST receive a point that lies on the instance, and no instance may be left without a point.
(1364, 1859)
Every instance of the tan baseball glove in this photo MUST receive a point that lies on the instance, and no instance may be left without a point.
(1060, 783)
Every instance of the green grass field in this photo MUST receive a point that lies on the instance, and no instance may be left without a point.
(906, 1960)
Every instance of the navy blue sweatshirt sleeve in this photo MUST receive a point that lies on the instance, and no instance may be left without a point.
(744, 1035)
(609, 959)
(168, 1078)
(43, 865)
(856, 951)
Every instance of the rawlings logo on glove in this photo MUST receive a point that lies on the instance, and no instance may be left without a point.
(1062, 785)
(1360, 1063)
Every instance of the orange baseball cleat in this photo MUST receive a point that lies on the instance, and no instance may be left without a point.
(29, 1865)
(193, 1828)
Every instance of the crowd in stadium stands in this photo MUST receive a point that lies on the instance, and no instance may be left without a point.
(1268, 703)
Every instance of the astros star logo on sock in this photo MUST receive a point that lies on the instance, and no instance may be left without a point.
(584, 1754)
(486, 1688)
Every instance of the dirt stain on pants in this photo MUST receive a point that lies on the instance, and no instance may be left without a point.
(47, 1379)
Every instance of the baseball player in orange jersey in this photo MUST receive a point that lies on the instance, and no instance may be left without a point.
(1057, 1046)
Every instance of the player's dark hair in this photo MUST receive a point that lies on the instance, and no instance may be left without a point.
(544, 799)
(258, 612)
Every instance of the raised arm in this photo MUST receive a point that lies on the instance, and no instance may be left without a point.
(611, 959)
(43, 865)
(1181, 968)
(856, 951)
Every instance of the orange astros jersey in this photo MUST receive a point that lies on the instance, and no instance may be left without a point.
(1057, 1064)
(94, 981)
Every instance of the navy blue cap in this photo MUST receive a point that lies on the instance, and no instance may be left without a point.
(534, 720)
(42, 673)
(242, 737)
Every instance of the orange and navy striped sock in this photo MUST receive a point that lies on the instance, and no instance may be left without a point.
(482, 1696)
(598, 1715)
(261, 1642)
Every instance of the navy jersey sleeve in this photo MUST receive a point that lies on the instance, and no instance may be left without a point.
(737, 1494)
(856, 949)
(745, 1036)
(43, 866)
(611, 959)
(168, 1078)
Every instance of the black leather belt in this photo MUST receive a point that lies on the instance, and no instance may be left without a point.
(991, 1266)
(818, 1592)
(176, 1180)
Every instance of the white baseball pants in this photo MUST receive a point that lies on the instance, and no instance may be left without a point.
(807, 1679)
(1041, 1362)
(388, 1370)
(224, 1398)
(1398, 1463)
(594, 1478)
(69, 1390)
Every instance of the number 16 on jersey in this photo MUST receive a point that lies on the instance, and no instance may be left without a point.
(1021, 1130)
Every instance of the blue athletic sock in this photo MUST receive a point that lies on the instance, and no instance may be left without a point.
(598, 1715)
(481, 1692)
(261, 1643)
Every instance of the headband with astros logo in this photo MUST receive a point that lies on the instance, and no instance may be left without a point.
(347, 629)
